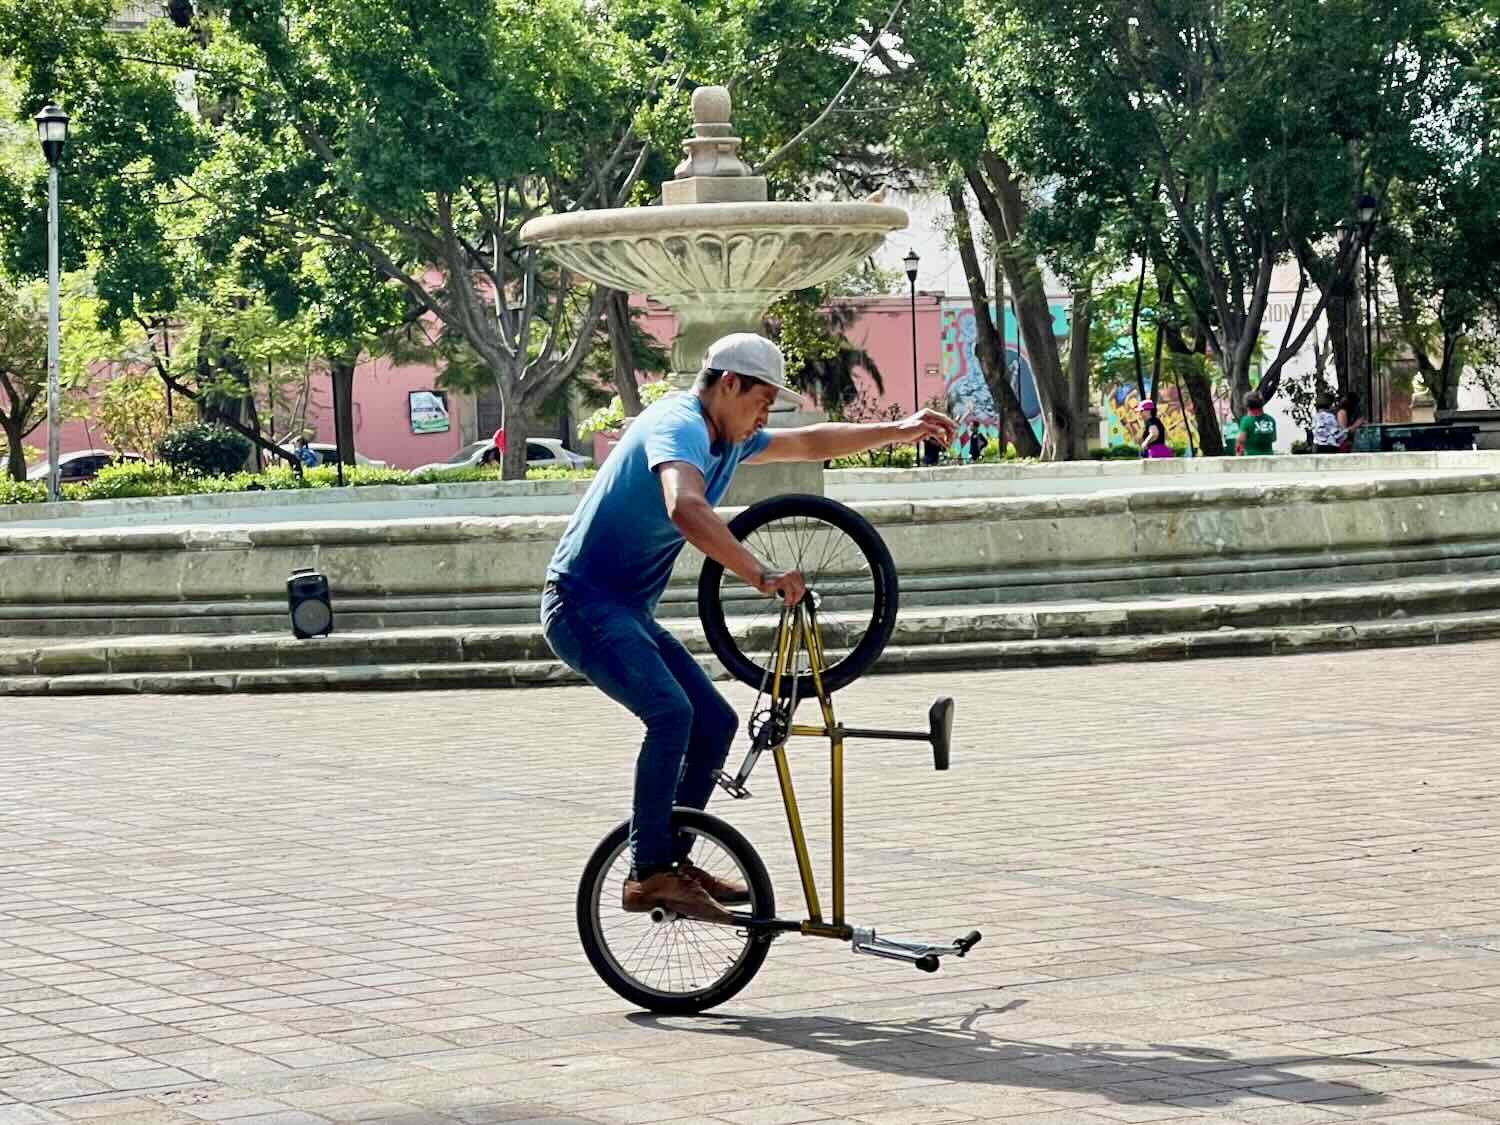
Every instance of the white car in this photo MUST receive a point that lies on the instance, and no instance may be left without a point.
(541, 453)
(328, 454)
(80, 465)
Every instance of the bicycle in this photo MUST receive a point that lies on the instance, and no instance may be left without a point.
(667, 963)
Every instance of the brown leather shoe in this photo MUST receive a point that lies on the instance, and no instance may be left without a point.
(672, 890)
(731, 894)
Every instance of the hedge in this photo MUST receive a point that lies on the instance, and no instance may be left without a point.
(145, 478)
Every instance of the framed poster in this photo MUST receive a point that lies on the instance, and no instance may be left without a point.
(429, 412)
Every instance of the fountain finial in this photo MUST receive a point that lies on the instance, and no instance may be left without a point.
(713, 171)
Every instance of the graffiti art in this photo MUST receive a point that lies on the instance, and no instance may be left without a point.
(969, 397)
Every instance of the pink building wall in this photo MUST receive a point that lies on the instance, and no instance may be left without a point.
(382, 417)
(382, 423)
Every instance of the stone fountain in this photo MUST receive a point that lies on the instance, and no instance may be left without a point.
(718, 254)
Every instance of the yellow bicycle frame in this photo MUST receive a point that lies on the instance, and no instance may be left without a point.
(799, 632)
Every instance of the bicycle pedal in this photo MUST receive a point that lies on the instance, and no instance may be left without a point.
(730, 786)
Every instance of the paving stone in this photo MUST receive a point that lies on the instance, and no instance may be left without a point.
(1197, 905)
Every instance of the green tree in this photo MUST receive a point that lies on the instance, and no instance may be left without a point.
(812, 326)
(1235, 137)
(132, 412)
(23, 360)
(1440, 236)
(943, 124)
(429, 171)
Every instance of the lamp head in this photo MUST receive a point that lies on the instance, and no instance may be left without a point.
(52, 131)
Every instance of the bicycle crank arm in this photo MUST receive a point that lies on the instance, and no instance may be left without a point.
(921, 954)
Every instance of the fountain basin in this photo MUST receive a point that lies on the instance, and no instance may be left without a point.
(719, 266)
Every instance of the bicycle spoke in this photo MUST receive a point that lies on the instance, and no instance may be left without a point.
(831, 563)
(678, 957)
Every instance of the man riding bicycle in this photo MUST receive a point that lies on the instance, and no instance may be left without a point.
(658, 490)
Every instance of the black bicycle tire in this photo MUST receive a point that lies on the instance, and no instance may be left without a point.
(857, 661)
(763, 899)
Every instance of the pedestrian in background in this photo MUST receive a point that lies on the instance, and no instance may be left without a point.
(1257, 437)
(977, 442)
(1330, 434)
(305, 453)
(1154, 433)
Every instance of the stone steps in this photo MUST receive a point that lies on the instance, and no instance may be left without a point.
(1015, 589)
(1436, 629)
(1403, 611)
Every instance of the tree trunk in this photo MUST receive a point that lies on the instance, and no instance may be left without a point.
(1078, 371)
(341, 371)
(1200, 394)
(1206, 411)
(1341, 296)
(1046, 368)
(1004, 209)
(988, 348)
(1449, 398)
(15, 460)
(1346, 336)
(513, 465)
(617, 319)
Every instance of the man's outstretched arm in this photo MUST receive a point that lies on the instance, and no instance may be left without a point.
(827, 440)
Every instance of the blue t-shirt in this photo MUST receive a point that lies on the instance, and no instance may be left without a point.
(620, 545)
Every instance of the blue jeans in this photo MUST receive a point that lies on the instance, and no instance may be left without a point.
(623, 652)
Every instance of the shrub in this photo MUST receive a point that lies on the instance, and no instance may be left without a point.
(136, 478)
(22, 491)
(209, 449)
(612, 417)
(132, 411)
(472, 474)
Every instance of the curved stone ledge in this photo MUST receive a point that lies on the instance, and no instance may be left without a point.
(1245, 525)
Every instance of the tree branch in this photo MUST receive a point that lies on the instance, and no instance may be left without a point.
(838, 97)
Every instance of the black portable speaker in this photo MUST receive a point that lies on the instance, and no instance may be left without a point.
(311, 609)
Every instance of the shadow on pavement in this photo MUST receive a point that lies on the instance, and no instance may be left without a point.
(957, 1049)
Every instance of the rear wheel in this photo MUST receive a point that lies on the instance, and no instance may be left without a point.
(843, 560)
(676, 965)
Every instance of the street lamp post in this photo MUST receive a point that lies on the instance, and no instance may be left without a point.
(1368, 207)
(52, 129)
(911, 261)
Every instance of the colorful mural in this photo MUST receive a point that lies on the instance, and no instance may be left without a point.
(968, 394)
(1123, 423)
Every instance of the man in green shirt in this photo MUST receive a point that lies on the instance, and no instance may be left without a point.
(1257, 429)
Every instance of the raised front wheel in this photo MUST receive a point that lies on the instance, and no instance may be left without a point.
(842, 559)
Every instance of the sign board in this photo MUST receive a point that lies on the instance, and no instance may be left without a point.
(429, 412)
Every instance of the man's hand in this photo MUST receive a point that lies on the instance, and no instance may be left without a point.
(925, 424)
(787, 583)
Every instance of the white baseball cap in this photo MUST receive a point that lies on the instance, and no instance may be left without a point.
(752, 356)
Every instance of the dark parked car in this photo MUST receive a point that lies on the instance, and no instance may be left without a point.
(81, 465)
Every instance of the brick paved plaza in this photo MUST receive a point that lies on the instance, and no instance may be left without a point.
(1263, 890)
